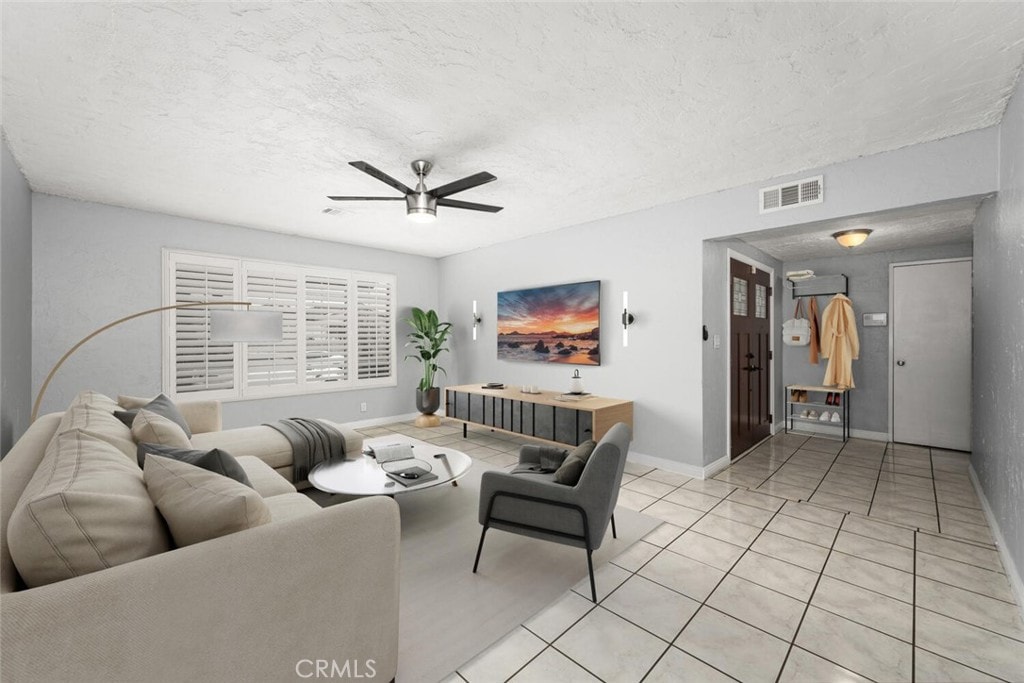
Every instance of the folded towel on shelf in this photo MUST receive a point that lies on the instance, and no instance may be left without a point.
(800, 275)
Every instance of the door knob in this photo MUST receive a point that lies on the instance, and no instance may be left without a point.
(901, 363)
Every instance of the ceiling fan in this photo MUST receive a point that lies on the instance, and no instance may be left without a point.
(421, 204)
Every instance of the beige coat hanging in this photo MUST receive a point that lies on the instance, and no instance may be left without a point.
(839, 342)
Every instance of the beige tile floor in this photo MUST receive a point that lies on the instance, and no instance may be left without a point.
(805, 561)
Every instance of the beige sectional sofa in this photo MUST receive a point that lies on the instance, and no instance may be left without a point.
(312, 584)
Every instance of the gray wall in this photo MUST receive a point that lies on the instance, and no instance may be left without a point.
(657, 255)
(869, 290)
(998, 430)
(15, 301)
(717, 293)
(95, 263)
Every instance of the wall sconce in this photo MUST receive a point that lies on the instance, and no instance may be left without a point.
(476, 320)
(627, 319)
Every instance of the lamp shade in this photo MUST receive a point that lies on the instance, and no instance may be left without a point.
(245, 326)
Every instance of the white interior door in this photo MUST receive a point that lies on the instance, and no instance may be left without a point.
(931, 354)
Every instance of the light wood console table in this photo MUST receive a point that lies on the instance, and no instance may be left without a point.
(547, 415)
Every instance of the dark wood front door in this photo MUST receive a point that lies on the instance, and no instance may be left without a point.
(750, 357)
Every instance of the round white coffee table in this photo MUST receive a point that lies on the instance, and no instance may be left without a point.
(364, 477)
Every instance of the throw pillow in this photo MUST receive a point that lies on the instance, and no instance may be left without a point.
(199, 505)
(572, 469)
(214, 460)
(85, 509)
(149, 427)
(161, 405)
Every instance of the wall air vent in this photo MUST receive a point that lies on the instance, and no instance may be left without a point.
(331, 211)
(790, 195)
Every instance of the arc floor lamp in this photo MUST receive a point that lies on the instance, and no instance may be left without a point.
(225, 326)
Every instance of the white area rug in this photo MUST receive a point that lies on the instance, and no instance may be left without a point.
(448, 614)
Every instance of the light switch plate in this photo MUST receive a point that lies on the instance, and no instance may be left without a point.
(875, 319)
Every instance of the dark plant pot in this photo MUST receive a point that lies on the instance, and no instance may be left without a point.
(427, 402)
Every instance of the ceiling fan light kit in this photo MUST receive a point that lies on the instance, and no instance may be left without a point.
(851, 238)
(421, 204)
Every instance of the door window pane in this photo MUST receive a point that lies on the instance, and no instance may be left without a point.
(760, 301)
(739, 296)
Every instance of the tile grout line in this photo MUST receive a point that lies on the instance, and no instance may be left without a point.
(913, 616)
(878, 478)
(807, 606)
(935, 490)
(703, 602)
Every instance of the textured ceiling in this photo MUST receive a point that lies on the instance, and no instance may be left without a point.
(919, 226)
(247, 113)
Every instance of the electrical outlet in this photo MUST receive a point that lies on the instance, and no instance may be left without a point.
(362, 407)
(717, 341)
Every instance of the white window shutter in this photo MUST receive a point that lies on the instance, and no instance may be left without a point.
(276, 364)
(327, 334)
(338, 328)
(374, 328)
(197, 364)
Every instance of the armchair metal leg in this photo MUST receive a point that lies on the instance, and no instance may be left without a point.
(480, 547)
(614, 533)
(590, 567)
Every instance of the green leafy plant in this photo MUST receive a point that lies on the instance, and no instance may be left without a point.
(428, 338)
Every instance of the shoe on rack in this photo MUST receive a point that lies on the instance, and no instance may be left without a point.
(803, 414)
(812, 414)
(836, 417)
(825, 416)
(837, 400)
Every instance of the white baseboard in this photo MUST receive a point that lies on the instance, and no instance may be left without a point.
(1012, 572)
(680, 467)
(377, 421)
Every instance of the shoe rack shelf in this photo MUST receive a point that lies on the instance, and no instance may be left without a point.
(817, 400)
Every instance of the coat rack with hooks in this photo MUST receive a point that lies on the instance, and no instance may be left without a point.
(827, 285)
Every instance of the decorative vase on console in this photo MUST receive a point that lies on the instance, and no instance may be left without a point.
(428, 339)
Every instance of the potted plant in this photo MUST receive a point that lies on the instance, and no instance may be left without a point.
(428, 338)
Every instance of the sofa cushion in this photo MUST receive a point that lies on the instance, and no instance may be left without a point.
(86, 508)
(98, 421)
(149, 427)
(266, 442)
(265, 479)
(289, 506)
(95, 399)
(214, 460)
(199, 505)
(161, 405)
(572, 468)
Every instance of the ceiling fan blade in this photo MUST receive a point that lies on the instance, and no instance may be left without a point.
(464, 184)
(456, 204)
(381, 176)
(365, 199)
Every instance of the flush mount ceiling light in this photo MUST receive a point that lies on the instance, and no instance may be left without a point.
(851, 238)
(421, 204)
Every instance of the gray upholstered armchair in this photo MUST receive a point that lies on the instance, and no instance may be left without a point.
(533, 504)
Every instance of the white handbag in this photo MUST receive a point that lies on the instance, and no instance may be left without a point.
(797, 330)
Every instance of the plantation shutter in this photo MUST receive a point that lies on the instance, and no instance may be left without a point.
(276, 364)
(199, 364)
(374, 328)
(338, 328)
(327, 334)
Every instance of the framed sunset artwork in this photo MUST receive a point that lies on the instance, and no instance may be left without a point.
(557, 324)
